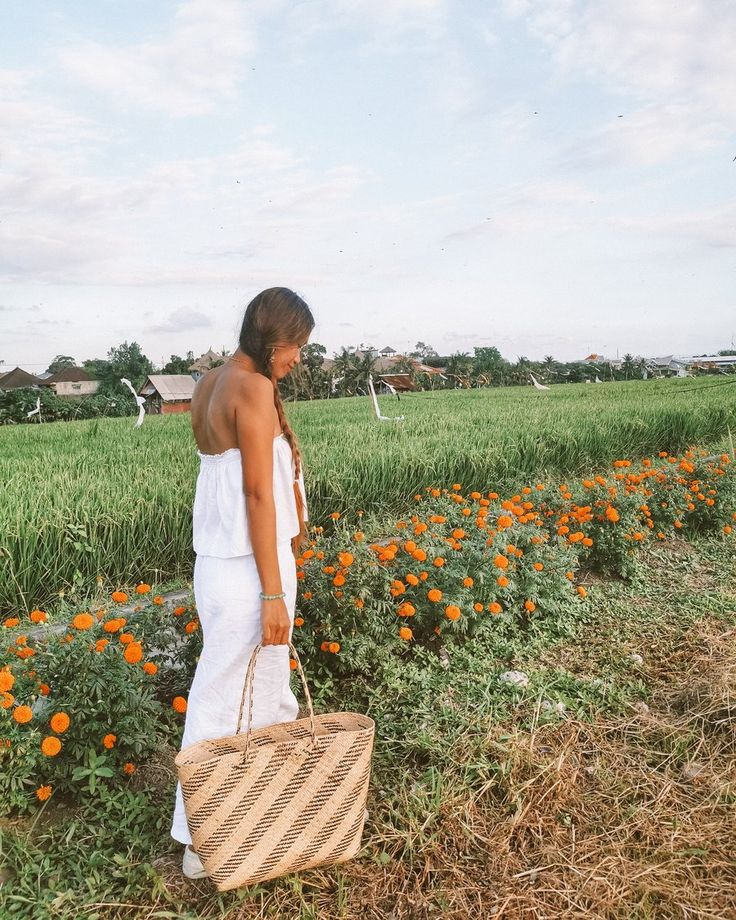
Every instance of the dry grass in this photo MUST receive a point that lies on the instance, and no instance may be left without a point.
(628, 817)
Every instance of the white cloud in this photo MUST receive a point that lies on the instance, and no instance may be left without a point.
(182, 320)
(646, 137)
(713, 227)
(384, 25)
(185, 73)
(673, 61)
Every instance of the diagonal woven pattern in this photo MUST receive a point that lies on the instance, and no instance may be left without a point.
(278, 799)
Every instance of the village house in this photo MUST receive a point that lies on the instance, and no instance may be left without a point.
(168, 393)
(206, 362)
(17, 378)
(71, 381)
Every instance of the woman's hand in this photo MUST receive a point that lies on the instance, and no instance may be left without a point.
(275, 622)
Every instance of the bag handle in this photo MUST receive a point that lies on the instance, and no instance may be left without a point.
(248, 685)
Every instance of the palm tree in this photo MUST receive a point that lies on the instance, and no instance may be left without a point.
(345, 370)
(520, 370)
(628, 366)
(549, 367)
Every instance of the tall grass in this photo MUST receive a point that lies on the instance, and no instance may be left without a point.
(81, 499)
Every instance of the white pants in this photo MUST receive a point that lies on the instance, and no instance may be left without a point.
(229, 610)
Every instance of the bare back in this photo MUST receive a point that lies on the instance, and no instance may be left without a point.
(215, 401)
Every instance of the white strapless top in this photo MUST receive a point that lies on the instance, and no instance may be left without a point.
(219, 515)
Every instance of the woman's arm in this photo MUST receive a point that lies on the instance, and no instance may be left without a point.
(254, 432)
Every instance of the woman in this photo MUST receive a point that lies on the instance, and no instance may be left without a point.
(248, 525)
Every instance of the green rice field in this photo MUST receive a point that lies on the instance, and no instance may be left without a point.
(101, 498)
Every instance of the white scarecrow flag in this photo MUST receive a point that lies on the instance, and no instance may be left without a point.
(139, 400)
(382, 418)
(537, 384)
(37, 410)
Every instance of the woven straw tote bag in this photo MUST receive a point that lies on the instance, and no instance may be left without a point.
(278, 799)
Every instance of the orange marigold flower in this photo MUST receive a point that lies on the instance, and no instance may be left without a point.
(612, 514)
(112, 626)
(346, 559)
(468, 582)
(109, 741)
(359, 603)
(178, 611)
(43, 793)
(44, 689)
(587, 541)
(38, 616)
(334, 647)
(504, 521)
(22, 714)
(298, 621)
(128, 768)
(581, 591)
(452, 612)
(142, 588)
(179, 704)
(158, 600)
(101, 644)
(150, 667)
(126, 638)
(50, 746)
(538, 566)
(6, 679)
(59, 722)
(405, 633)
(495, 607)
(434, 594)
(502, 581)
(325, 646)
(133, 652)
(477, 607)
(292, 664)
(406, 609)
(456, 486)
(412, 578)
(530, 606)
(7, 699)
(11, 622)
(335, 515)
(358, 536)
(439, 562)
(501, 562)
(120, 597)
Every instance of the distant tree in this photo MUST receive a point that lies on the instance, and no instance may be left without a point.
(177, 365)
(549, 367)
(421, 350)
(488, 362)
(459, 365)
(97, 368)
(725, 352)
(60, 362)
(629, 367)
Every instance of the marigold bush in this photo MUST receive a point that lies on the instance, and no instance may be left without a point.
(84, 707)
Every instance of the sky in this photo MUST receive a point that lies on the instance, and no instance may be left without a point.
(546, 176)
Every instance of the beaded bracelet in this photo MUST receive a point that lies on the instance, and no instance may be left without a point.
(271, 597)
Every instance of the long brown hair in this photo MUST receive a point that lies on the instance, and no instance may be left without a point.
(278, 316)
